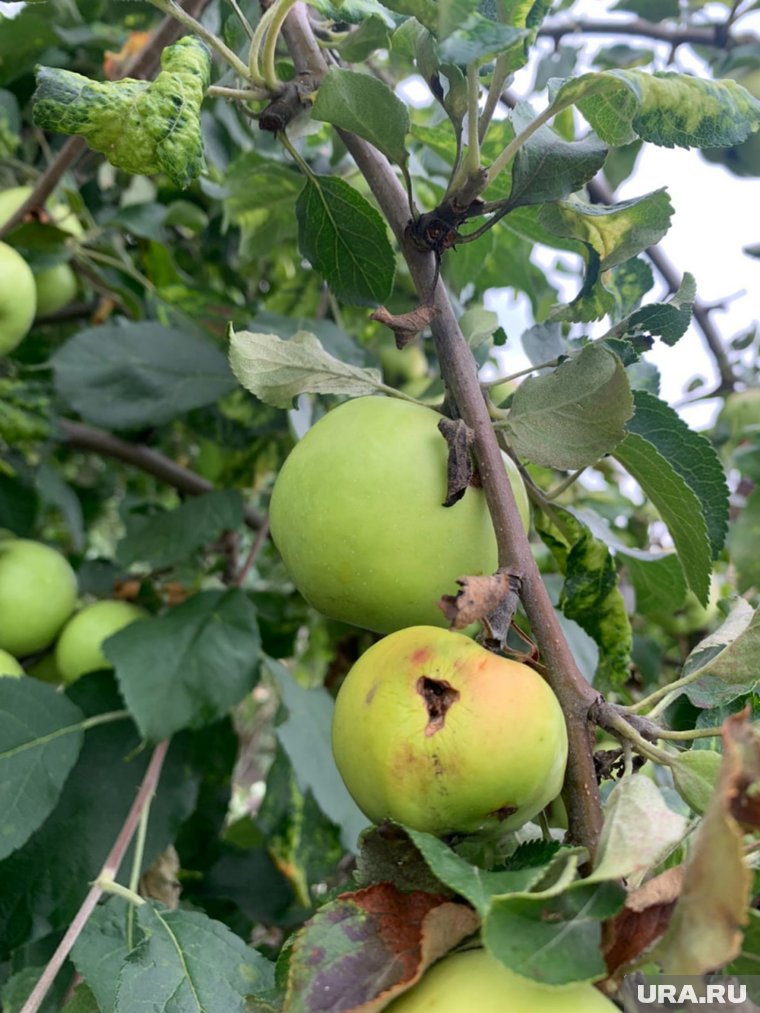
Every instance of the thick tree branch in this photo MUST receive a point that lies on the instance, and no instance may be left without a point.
(717, 35)
(98, 441)
(144, 65)
(460, 373)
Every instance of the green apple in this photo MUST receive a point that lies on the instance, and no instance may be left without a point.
(401, 365)
(79, 649)
(740, 412)
(433, 731)
(38, 591)
(45, 669)
(357, 515)
(9, 665)
(476, 982)
(18, 298)
(56, 286)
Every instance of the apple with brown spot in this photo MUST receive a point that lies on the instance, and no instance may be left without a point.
(437, 733)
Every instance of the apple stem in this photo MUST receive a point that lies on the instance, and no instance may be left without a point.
(460, 373)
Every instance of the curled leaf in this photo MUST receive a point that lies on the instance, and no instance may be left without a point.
(406, 326)
(460, 471)
(707, 926)
(142, 127)
(479, 597)
(643, 920)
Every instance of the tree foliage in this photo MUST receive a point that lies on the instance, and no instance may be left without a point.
(259, 210)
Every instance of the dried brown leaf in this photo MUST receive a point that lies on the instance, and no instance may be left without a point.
(406, 326)
(706, 929)
(480, 597)
(642, 921)
(460, 471)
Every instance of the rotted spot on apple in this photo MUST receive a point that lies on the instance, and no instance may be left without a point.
(439, 696)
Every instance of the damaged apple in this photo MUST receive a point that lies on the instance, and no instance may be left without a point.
(439, 734)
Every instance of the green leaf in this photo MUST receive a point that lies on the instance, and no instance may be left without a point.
(573, 416)
(650, 10)
(548, 168)
(667, 320)
(590, 594)
(639, 831)
(476, 885)
(528, 14)
(303, 842)
(40, 739)
(554, 936)
(677, 505)
(101, 950)
(478, 40)
(171, 537)
(333, 338)
(365, 106)
(611, 235)
(730, 654)
(426, 11)
(141, 127)
(45, 881)
(345, 239)
(659, 583)
(23, 40)
(277, 371)
(615, 232)
(187, 668)
(694, 775)
(138, 374)
(664, 108)
(690, 455)
(18, 987)
(305, 737)
(81, 1001)
(478, 325)
(187, 961)
(372, 34)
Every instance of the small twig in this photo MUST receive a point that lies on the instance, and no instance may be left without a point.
(707, 35)
(99, 441)
(109, 870)
(240, 94)
(564, 485)
(173, 10)
(250, 559)
(499, 76)
(245, 23)
(690, 733)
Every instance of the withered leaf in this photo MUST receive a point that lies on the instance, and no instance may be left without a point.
(406, 326)
(706, 929)
(642, 921)
(460, 468)
(478, 598)
(362, 949)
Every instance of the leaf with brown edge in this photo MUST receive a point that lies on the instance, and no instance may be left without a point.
(363, 949)
(479, 597)
(459, 469)
(706, 929)
(643, 920)
(406, 326)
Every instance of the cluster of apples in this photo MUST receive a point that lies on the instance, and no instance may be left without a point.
(38, 596)
(430, 729)
(25, 295)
